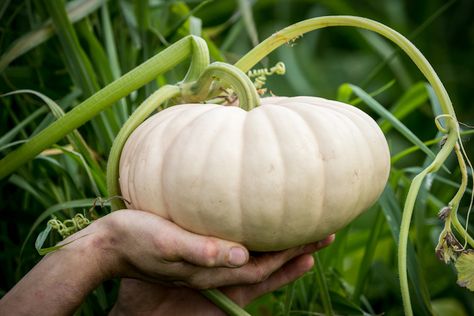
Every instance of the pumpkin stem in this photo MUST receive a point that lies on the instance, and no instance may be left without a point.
(229, 75)
(140, 114)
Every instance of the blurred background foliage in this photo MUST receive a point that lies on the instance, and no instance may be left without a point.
(355, 276)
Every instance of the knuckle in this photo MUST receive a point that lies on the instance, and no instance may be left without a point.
(260, 274)
(210, 252)
(196, 282)
(163, 248)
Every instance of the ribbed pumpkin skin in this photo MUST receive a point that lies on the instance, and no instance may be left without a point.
(286, 173)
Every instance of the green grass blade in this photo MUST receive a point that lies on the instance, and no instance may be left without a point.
(399, 126)
(79, 66)
(112, 56)
(412, 36)
(76, 140)
(368, 255)
(386, 52)
(392, 211)
(289, 297)
(26, 185)
(186, 15)
(411, 100)
(101, 63)
(246, 10)
(81, 161)
(42, 238)
(6, 138)
(3, 7)
(55, 109)
(344, 92)
(13, 144)
(76, 10)
(323, 286)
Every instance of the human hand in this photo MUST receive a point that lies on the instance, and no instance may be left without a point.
(148, 247)
(138, 297)
(140, 245)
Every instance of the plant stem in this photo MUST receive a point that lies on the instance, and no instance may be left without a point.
(230, 75)
(408, 212)
(224, 303)
(136, 78)
(323, 287)
(294, 31)
(454, 204)
(140, 114)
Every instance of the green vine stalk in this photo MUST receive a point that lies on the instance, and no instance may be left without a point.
(293, 32)
(102, 99)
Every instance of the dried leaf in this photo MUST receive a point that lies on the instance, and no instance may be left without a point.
(465, 268)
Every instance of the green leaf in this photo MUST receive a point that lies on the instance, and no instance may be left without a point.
(20, 126)
(246, 11)
(465, 267)
(75, 138)
(411, 100)
(392, 211)
(42, 238)
(399, 126)
(76, 10)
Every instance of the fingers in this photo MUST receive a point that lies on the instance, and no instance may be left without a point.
(310, 248)
(256, 270)
(171, 243)
(210, 251)
(291, 271)
(157, 249)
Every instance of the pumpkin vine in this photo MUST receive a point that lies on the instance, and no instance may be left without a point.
(294, 31)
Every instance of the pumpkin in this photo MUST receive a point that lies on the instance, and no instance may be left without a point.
(288, 172)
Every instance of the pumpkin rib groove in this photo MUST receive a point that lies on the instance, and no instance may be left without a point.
(362, 124)
(326, 113)
(173, 142)
(209, 151)
(241, 182)
(348, 123)
(139, 137)
(318, 159)
(162, 123)
(365, 123)
(317, 140)
(284, 202)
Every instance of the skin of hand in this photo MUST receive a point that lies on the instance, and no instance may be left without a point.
(139, 245)
(137, 297)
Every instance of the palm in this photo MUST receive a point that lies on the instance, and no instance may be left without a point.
(143, 298)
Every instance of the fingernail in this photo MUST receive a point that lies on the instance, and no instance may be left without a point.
(237, 257)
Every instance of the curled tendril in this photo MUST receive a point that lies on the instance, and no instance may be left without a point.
(69, 226)
(260, 75)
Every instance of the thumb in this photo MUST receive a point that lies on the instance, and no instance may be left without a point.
(210, 251)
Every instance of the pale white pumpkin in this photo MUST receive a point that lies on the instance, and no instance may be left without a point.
(286, 173)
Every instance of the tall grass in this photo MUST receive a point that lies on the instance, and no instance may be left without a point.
(64, 52)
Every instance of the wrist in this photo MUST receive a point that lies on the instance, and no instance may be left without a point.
(66, 275)
(94, 248)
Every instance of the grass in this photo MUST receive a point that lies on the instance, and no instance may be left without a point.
(99, 42)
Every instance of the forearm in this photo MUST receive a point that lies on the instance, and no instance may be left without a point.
(61, 280)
